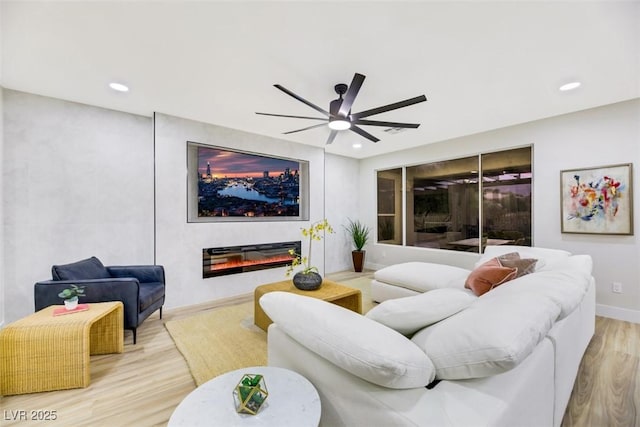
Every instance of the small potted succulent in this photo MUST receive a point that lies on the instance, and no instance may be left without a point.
(70, 296)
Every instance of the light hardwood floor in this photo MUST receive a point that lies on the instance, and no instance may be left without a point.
(607, 390)
(143, 385)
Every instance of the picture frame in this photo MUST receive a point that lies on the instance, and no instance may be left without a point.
(597, 200)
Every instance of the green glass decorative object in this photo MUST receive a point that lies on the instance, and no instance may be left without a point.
(250, 393)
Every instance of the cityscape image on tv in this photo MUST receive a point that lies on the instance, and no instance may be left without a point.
(232, 183)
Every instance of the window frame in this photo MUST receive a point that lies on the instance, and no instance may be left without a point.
(480, 195)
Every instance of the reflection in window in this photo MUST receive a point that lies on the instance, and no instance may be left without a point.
(442, 204)
(443, 208)
(506, 197)
(390, 206)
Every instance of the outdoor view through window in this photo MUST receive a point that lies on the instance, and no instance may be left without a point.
(443, 205)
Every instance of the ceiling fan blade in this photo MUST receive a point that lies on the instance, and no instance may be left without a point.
(387, 124)
(304, 101)
(332, 136)
(307, 128)
(293, 117)
(351, 94)
(364, 133)
(389, 107)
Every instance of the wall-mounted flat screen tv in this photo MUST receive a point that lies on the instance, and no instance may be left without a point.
(230, 185)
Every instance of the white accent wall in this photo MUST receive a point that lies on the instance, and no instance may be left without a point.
(341, 201)
(179, 244)
(77, 182)
(596, 137)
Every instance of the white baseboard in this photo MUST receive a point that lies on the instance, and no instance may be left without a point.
(373, 266)
(618, 313)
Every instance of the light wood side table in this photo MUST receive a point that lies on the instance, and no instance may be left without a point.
(43, 352)
(344, 296)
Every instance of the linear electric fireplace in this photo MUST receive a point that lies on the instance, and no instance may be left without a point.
(239, 259)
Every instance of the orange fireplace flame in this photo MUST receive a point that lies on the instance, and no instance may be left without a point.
(237, 263)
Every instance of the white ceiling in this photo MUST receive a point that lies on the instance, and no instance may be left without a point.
(482, 65)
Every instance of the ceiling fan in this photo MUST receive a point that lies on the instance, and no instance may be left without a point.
(339, 116)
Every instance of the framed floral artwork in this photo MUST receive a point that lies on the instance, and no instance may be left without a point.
(597, 200)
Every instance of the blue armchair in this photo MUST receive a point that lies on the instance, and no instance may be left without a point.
(140, 288)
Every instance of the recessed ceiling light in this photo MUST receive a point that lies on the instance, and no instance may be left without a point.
(357, 145)
(570, 86)
(119, 87)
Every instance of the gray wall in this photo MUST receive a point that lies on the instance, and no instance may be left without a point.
(2, 290)
(77, 182)
(595, 137)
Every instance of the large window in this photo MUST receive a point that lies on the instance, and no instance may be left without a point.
(443, 208)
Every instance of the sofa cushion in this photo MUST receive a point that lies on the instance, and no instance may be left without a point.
(546, 257)
(150, 293)
(583, 263)
(422, 276)
(565, 286)
(491, 336)
(90, 268)
(409, 314)
(489, 275)
(359, 345)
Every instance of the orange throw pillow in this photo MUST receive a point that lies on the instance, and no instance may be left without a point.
(489, 275)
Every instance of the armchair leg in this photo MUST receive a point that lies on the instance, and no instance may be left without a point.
(134, 335)
(161, 312)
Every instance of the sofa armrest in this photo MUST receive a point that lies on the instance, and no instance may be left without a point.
(96, 290)
(144, 273)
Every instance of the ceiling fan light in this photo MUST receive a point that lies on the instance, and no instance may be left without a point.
(339, 124)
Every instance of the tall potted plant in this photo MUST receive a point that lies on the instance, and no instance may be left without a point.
(359, 233)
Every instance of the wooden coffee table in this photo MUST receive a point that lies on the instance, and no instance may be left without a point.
(344, 296)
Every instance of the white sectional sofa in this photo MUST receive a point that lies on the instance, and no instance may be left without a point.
(507, 358)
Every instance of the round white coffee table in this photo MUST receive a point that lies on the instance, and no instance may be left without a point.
(292, 401)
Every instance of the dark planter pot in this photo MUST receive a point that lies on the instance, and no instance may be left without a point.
(358, 260)
(307, 282)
